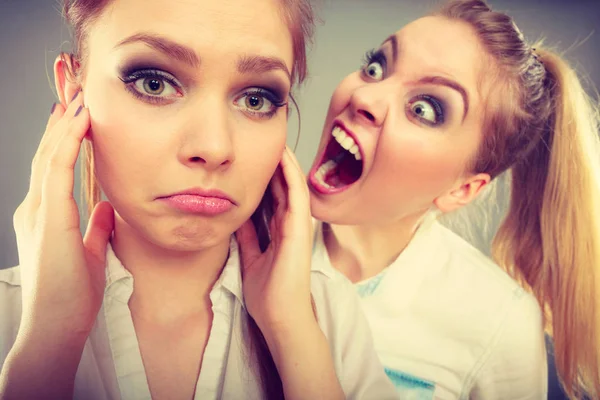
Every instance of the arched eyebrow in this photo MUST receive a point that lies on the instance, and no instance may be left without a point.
(260, 64)
(442, 81)
(394, 41)
(166, 46)
(433, 80)
(246, 64)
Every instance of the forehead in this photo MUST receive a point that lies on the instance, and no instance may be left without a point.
(439, 46)
(254, 27)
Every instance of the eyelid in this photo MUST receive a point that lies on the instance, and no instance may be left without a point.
(139, 73)
(269, 95)
(373, 56)
(438, 105)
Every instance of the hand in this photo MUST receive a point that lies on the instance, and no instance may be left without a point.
(276, 283)
(276, 286)
(62, 273)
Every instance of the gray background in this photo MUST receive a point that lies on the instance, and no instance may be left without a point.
(31, 34)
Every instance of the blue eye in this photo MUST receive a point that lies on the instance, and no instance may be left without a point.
(427, 109)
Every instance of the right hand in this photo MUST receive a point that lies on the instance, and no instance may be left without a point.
(62, 273)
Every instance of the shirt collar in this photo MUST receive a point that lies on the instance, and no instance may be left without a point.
(230, 278)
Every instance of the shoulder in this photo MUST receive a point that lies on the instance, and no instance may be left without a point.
(469, 269)
(10, 309)
(507, 317)
(460, 290)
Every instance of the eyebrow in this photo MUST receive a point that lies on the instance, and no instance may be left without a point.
(395, 48)
(166, 46)
(434, 80)
(440, 80)
(259, 65)
(246, 65)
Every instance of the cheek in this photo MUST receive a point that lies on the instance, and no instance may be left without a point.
(259, 153)
(342, 94)
(419, 165)
(340, 99)
(125, 148)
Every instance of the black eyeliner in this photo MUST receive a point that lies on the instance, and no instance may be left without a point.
(377, 56)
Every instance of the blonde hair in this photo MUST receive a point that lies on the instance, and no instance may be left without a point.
(540, 124)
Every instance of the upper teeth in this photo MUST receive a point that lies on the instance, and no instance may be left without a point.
(346, 141)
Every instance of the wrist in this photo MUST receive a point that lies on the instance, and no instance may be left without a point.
(61, 348)
(288, 340)
(41, 366)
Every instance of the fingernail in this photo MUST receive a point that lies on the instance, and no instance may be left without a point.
(75, 96)
(78, 110)
(52, 109)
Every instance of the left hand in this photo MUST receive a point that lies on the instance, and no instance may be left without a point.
(276, 283)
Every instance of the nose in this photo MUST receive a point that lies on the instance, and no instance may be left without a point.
(207, 139)
(369, 104)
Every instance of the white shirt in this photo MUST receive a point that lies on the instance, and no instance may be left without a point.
(448, 323)
(111, 365)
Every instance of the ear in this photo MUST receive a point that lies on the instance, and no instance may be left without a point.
(65, 78)
(462, 195)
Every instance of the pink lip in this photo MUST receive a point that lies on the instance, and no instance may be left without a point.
(199, 201)
(314, 184)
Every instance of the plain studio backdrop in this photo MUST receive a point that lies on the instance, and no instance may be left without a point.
(32, 33)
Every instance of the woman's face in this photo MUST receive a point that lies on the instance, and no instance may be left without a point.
(188, 108)
(399, 132)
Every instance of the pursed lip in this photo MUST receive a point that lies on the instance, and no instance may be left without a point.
(211, 193)
(199, 201)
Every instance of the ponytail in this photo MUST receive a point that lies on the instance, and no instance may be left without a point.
(550, 239)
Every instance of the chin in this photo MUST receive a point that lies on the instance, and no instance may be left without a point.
(186, 237)
(330, 213)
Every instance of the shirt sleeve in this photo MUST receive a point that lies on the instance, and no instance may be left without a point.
(10, 310)
(516, 366)
(359, 370)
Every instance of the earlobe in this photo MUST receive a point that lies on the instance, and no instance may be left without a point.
(65, 79)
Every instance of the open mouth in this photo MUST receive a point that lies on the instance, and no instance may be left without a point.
(341, 164)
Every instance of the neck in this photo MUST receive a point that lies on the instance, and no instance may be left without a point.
(363, 251)
(168, 284)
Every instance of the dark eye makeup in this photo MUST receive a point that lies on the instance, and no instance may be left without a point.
(438, 106)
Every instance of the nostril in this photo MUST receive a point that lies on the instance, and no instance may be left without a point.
(367, 115)
(195, 159)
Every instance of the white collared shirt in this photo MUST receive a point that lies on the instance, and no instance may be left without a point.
(111, 366)
(450, 324)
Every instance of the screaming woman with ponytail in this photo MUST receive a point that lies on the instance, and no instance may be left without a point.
(442, 108)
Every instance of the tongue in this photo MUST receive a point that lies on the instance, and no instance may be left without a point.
(347, 171)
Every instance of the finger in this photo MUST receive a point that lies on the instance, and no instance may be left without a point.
(248, 244)
(99, 231)
(57, 125)
(296, 184)
(56, 114)
(279, 190)
(280, 204)
(59, 177)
